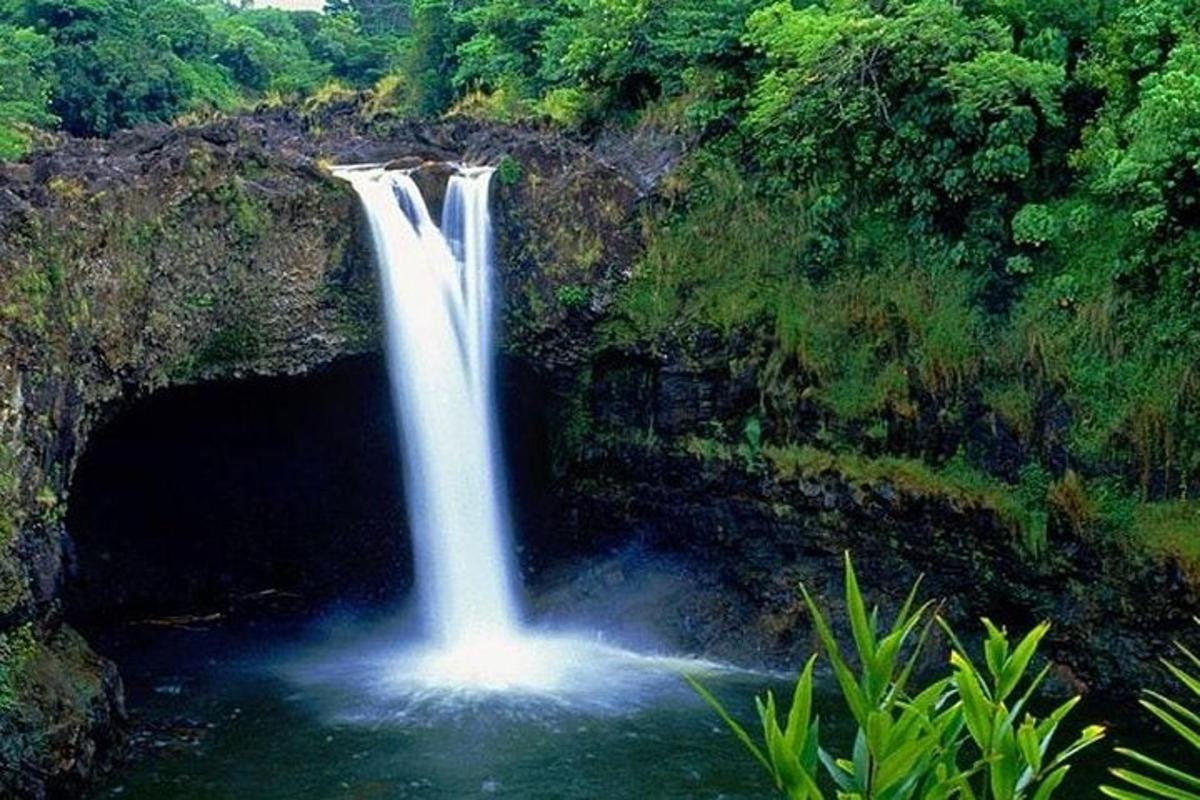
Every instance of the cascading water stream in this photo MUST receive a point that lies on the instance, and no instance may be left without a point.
(437, 306)
(437, 301)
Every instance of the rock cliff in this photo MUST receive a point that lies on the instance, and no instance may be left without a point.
(171, 256)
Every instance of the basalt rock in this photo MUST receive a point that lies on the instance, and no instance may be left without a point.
(668, 468)
(170, 256)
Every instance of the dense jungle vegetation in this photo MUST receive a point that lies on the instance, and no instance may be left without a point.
(959, 241)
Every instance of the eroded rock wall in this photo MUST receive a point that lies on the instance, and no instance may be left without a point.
(669, 463)
(160, 259)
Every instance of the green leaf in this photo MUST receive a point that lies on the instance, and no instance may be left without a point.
(1190, 656)
(1047, 726)
(784, 766)
(1157, 788)
(1003, 773)
(801, 710)
(1183, 711)
(909, 601)
(840, 774)
(902, 763)
(1014, 668)
(995, 648)
(1173, 722)
(845, 677)
(976, 707)
(860, 626)
(1191, 682)
(1121, 794)
(892, 644)
(731, 723)
(861, 760)
(1158, 766)
(1087, 737)
(1030, 745)
(879, 724)
(1051, 783)
(1030, 690)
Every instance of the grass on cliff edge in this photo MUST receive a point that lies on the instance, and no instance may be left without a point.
(957, 482)
(1028, 508)
(872, 336)
(1172, 530)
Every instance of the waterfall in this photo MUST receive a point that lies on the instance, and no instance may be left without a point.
(437, 303)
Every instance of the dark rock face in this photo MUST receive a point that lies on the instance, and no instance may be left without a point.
(760, 533)
(67, 722)
(172, 256)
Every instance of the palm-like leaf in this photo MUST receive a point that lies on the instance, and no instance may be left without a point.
(789, 754)
(1148, 778)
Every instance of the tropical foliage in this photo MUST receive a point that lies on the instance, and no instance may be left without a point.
(969, 734)
(1147, 778)
(95, 66)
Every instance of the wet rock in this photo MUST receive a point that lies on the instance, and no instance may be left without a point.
(433, 179)
(405, 163)
(66, 718)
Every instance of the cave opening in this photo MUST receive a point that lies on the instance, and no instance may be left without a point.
(199, 498)
(229, 497)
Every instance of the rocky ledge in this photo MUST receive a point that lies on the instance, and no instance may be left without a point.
(665, 465)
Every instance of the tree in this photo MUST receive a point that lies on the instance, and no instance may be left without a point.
(26, 84)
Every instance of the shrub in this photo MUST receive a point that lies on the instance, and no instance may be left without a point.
(968, 734)
(508, 170)
(572, 296)
(567, 107)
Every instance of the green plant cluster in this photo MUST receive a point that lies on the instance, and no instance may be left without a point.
(95, 66)
(970, 734)
(923, 213)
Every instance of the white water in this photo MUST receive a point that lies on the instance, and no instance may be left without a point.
(438, 308)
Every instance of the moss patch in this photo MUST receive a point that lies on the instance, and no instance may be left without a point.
(18, 651)
(1171, 530)
(233, 344)
(10, 484)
